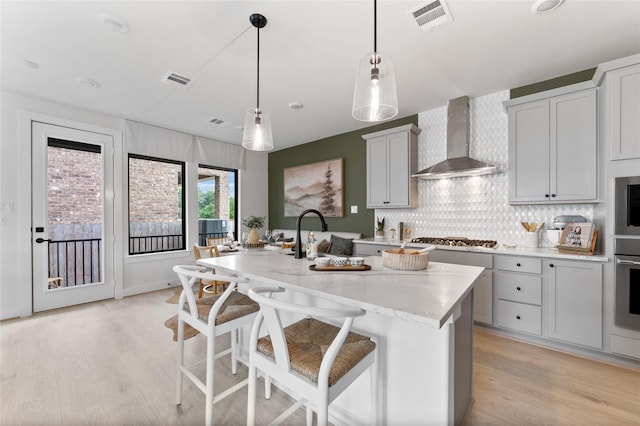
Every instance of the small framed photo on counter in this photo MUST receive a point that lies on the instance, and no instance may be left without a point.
(578, 237)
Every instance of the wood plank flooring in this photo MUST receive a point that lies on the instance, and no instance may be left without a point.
(113, 362)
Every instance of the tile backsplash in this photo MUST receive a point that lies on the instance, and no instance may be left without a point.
(474, 207)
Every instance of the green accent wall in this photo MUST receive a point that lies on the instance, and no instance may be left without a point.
(554, 83)
(352, 149)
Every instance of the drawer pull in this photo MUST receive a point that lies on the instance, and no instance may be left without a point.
(518, 288)
(517, 316)
(551, 265)
(518, 264)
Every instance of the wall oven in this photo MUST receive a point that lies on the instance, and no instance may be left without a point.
(627, 266)
(627, 205)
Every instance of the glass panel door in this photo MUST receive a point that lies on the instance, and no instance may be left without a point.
(72, 257)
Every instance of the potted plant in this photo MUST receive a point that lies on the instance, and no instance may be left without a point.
(379, 228)
(253, 223)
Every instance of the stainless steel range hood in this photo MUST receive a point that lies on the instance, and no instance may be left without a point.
(458, 162)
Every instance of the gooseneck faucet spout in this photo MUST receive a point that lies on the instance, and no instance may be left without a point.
(298, 249)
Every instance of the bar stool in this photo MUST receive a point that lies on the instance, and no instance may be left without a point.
(211, 316)
(312, 358)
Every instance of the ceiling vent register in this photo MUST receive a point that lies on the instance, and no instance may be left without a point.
(431, 15)
(177, 79)
(219, 122)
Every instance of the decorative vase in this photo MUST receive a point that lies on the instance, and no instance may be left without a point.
(379, 235)
(254, 237)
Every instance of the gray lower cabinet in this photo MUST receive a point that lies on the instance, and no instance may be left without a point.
(574, 302)
(517, 293)
(483, 291)
(554, 299)
(364, 250)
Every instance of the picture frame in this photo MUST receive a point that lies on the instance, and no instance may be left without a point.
(578, 237)
(315, 186)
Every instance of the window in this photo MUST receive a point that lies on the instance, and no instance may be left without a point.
(156, 205)
(217, 207)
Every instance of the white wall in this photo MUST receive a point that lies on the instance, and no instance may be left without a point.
(140, 273)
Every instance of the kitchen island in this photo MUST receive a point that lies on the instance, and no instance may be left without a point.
(422, 321)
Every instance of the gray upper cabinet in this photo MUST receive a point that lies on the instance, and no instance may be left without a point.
(553, 149)
(391, 158)
(625, 112)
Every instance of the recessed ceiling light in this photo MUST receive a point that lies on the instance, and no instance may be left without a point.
(31, 64)
(114, 23)
(544, 6)
(295, 105)
(88, 82)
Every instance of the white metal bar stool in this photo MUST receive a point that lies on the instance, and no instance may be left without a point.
(211, 316)
(315, 360)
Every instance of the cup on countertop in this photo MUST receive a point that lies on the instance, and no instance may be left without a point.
(531, 239)
(339, 261)
(356, 261)
(323, 261)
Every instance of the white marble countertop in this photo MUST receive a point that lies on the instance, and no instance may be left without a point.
(500, 249)
(429, 296)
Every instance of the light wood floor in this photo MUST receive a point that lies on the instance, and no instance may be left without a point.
(113, 362)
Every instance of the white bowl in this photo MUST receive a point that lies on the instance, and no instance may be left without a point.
(339, 261)
(356, 261)
(323, 261)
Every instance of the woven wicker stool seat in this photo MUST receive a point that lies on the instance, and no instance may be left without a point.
(211, 316)
(307, 342)
(236, 306)
(315, 360)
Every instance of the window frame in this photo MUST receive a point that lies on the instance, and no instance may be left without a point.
(183, 210)
(235, 192)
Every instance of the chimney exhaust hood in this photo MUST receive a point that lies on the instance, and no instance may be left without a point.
(458, 162)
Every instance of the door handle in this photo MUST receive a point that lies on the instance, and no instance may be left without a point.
(627, 262)
(41, 240)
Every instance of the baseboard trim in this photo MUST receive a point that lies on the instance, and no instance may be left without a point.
(148, 288)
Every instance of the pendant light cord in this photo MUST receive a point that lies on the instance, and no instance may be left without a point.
(258, 75)
(375, 29)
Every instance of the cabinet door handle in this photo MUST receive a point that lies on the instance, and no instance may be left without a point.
(518, 288)
(553, 195)
(551, 265)
(518, 264)
(517, 316)
(546, 195)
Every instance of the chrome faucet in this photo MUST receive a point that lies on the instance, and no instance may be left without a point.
(298, 247)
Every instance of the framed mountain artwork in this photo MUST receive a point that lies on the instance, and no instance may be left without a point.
(314, 186)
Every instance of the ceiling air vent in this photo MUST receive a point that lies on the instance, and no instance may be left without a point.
(431, 15)
(219, 122)
(177, 79)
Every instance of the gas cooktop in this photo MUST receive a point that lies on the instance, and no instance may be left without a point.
(455, 241)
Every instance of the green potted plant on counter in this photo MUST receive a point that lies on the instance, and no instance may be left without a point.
(253, 223)
(379, 228)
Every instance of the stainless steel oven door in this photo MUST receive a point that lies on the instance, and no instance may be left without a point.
(628, 291)
(627, 207)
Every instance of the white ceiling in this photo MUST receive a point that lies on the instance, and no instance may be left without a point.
(309, 53)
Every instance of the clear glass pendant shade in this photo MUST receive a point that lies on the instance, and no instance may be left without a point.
(374, 97)
(257, 130)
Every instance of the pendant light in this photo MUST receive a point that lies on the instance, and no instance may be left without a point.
(257, 121)
(374, 97)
